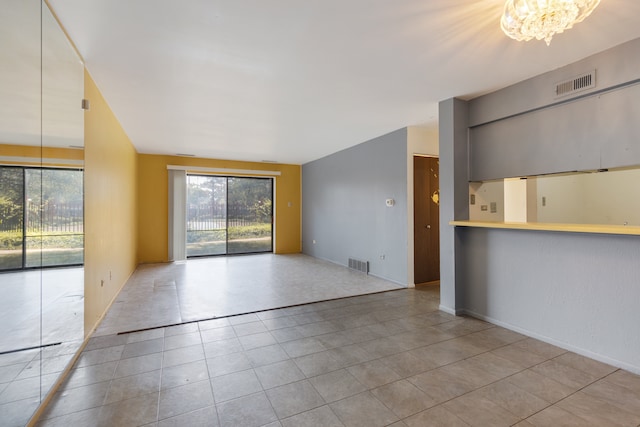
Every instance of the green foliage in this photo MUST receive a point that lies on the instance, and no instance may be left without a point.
(12, 240)
(250, 231)
(235, 247)
(59, 185)
(245, 191)
(57, 241)
(10, 213)
(255, 231)
(206, 236)
(262, 210)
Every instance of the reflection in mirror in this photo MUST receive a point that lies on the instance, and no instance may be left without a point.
(605, 197)
(41, 206)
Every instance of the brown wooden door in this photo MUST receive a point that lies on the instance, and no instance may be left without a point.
(426, 219)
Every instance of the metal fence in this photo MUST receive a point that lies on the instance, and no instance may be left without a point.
(212, 216)
(49, 218)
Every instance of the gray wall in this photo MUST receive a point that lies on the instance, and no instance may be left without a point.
(454, 192)
(579, 291)
(525, 130)
(344, 211)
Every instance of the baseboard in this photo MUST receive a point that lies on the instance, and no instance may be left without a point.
(67, 370)
(449, 310)
(63, 376)
(432, 283)
(581, 351)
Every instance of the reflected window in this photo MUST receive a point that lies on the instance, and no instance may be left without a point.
(41, 217)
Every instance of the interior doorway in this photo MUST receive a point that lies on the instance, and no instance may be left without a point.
(426, 219)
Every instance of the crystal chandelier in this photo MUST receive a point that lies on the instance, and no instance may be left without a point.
(541, 19)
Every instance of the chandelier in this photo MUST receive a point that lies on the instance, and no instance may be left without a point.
(527, 19)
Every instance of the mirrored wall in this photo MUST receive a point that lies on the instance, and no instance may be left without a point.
(41, 206)
(599, 197)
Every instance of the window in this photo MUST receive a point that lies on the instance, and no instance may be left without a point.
(41, 217)
(229, 215)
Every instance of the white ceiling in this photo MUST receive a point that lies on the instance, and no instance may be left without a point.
(293, 81)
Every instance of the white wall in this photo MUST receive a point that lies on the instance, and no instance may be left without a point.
(515, 200)
(590, 198)
(564, 199)
(613, 197)
(486, 193)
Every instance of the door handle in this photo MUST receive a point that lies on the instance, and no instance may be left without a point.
(427, 226)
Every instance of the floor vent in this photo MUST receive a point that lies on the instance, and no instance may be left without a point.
(356, 264)
(576, 84)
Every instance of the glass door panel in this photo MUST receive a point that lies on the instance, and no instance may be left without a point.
(229, 215)
(11, 217)
(249, 211)
(206, 215)
(54, 217)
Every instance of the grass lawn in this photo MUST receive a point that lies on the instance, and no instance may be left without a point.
(62, 256)
(237, 246)
(245, 239)
(42, 250)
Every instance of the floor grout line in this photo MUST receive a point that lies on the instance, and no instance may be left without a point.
(186, 322)
(379, 358)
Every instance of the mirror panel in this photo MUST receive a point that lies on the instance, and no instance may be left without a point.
(20, 67)
(20, 136)
(41, 206)
(62, 87)
(604, 197)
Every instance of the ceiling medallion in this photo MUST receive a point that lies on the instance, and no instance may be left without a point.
(540, 19)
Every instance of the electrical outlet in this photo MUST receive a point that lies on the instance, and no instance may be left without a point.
(314, 241)
(382, 257)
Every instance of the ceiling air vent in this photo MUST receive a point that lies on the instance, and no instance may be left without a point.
(576, 84)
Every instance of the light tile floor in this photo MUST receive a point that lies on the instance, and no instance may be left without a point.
(383, 359)
(41, 307)
(37, 307)
(164, 294)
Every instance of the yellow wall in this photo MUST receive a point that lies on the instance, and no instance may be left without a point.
(30, 155)
(110, 206)
(153, 202)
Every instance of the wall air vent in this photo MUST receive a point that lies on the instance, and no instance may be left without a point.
(576, 84)
(359, 265)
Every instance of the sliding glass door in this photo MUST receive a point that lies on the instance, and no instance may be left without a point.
(249, 215)
(229, 215)
(11, 218)
(206, 215)
(41, 217)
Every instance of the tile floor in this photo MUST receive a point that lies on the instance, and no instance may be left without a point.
(37, 307)
(385, 359)
(164, 294)
(55, 294)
